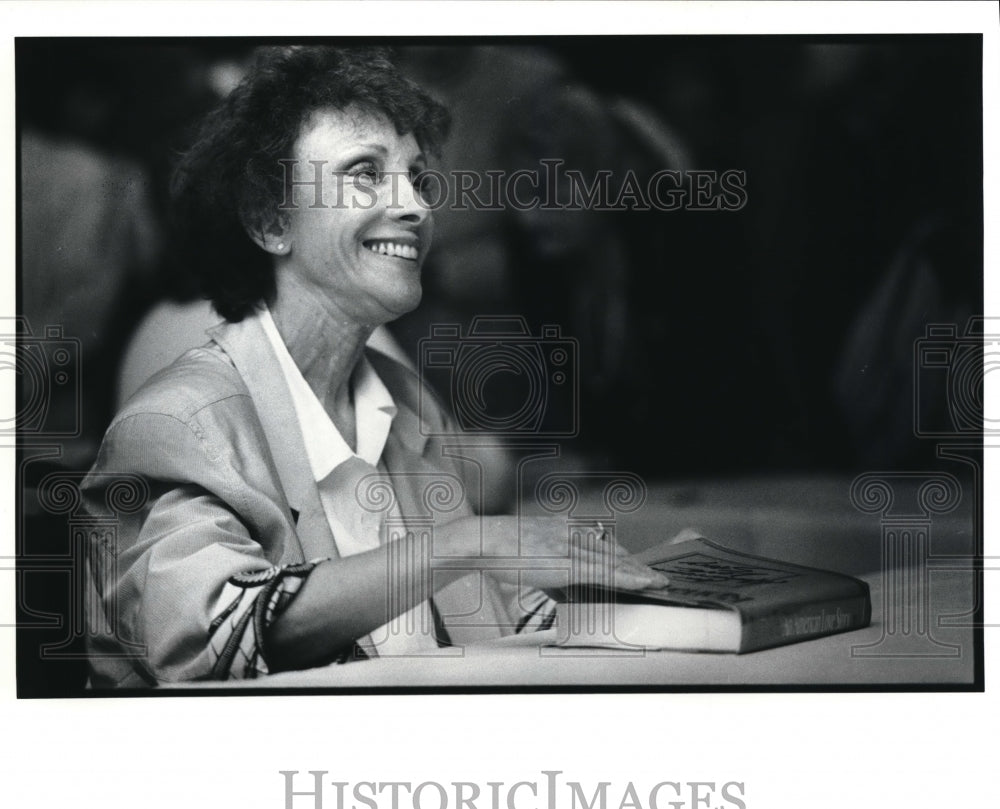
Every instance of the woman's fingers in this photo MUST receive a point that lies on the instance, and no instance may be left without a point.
(577, 557)
(626, 574)
(643, 579)
(602, 565)
(629, 573)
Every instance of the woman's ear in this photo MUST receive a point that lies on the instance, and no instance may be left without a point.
(274, 239)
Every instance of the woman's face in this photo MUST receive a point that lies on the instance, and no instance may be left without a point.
(364, 248)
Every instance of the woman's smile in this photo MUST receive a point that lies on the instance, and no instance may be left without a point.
(404, 247)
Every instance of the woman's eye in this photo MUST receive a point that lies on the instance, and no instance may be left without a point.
(366, 173)
(422, 183)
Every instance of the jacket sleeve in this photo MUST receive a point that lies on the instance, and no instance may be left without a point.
(199, 571)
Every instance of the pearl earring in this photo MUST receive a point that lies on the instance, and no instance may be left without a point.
(281, 245)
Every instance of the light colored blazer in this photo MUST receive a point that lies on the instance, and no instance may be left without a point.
(230, 490)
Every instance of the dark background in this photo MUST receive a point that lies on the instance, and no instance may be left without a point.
(748, 333)
(774, 339)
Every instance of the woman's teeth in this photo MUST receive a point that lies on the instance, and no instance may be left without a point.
(393, 249)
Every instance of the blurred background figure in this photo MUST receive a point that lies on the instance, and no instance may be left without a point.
(89, 240)
(864, 225)
(98, 128)
(603, 276)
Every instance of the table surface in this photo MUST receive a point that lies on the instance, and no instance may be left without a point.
(803, 520)
(928, 654)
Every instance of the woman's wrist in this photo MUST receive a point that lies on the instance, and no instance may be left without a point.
(455, 544)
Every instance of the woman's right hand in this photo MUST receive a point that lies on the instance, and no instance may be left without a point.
(343, 599)
(541, 552)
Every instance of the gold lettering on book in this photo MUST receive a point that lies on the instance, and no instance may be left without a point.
(824, 621)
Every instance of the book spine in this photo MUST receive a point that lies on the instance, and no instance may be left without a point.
(806, 621)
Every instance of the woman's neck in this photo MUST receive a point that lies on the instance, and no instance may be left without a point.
(325, 344)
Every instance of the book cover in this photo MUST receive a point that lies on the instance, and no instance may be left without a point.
(718, 600)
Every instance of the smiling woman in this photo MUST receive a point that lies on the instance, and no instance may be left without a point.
(301, 506)
(245, 167)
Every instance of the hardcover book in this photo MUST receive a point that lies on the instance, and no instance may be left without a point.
(718, 600)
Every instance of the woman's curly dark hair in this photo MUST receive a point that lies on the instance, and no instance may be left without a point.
(230, 181)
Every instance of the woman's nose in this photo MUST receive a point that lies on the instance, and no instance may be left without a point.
(406, 202)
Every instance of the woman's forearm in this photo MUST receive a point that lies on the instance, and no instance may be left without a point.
(345, 599)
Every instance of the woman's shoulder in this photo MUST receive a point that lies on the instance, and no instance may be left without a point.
(199, 378)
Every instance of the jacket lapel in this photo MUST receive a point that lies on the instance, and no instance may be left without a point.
(250, 350)
(471, 606)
